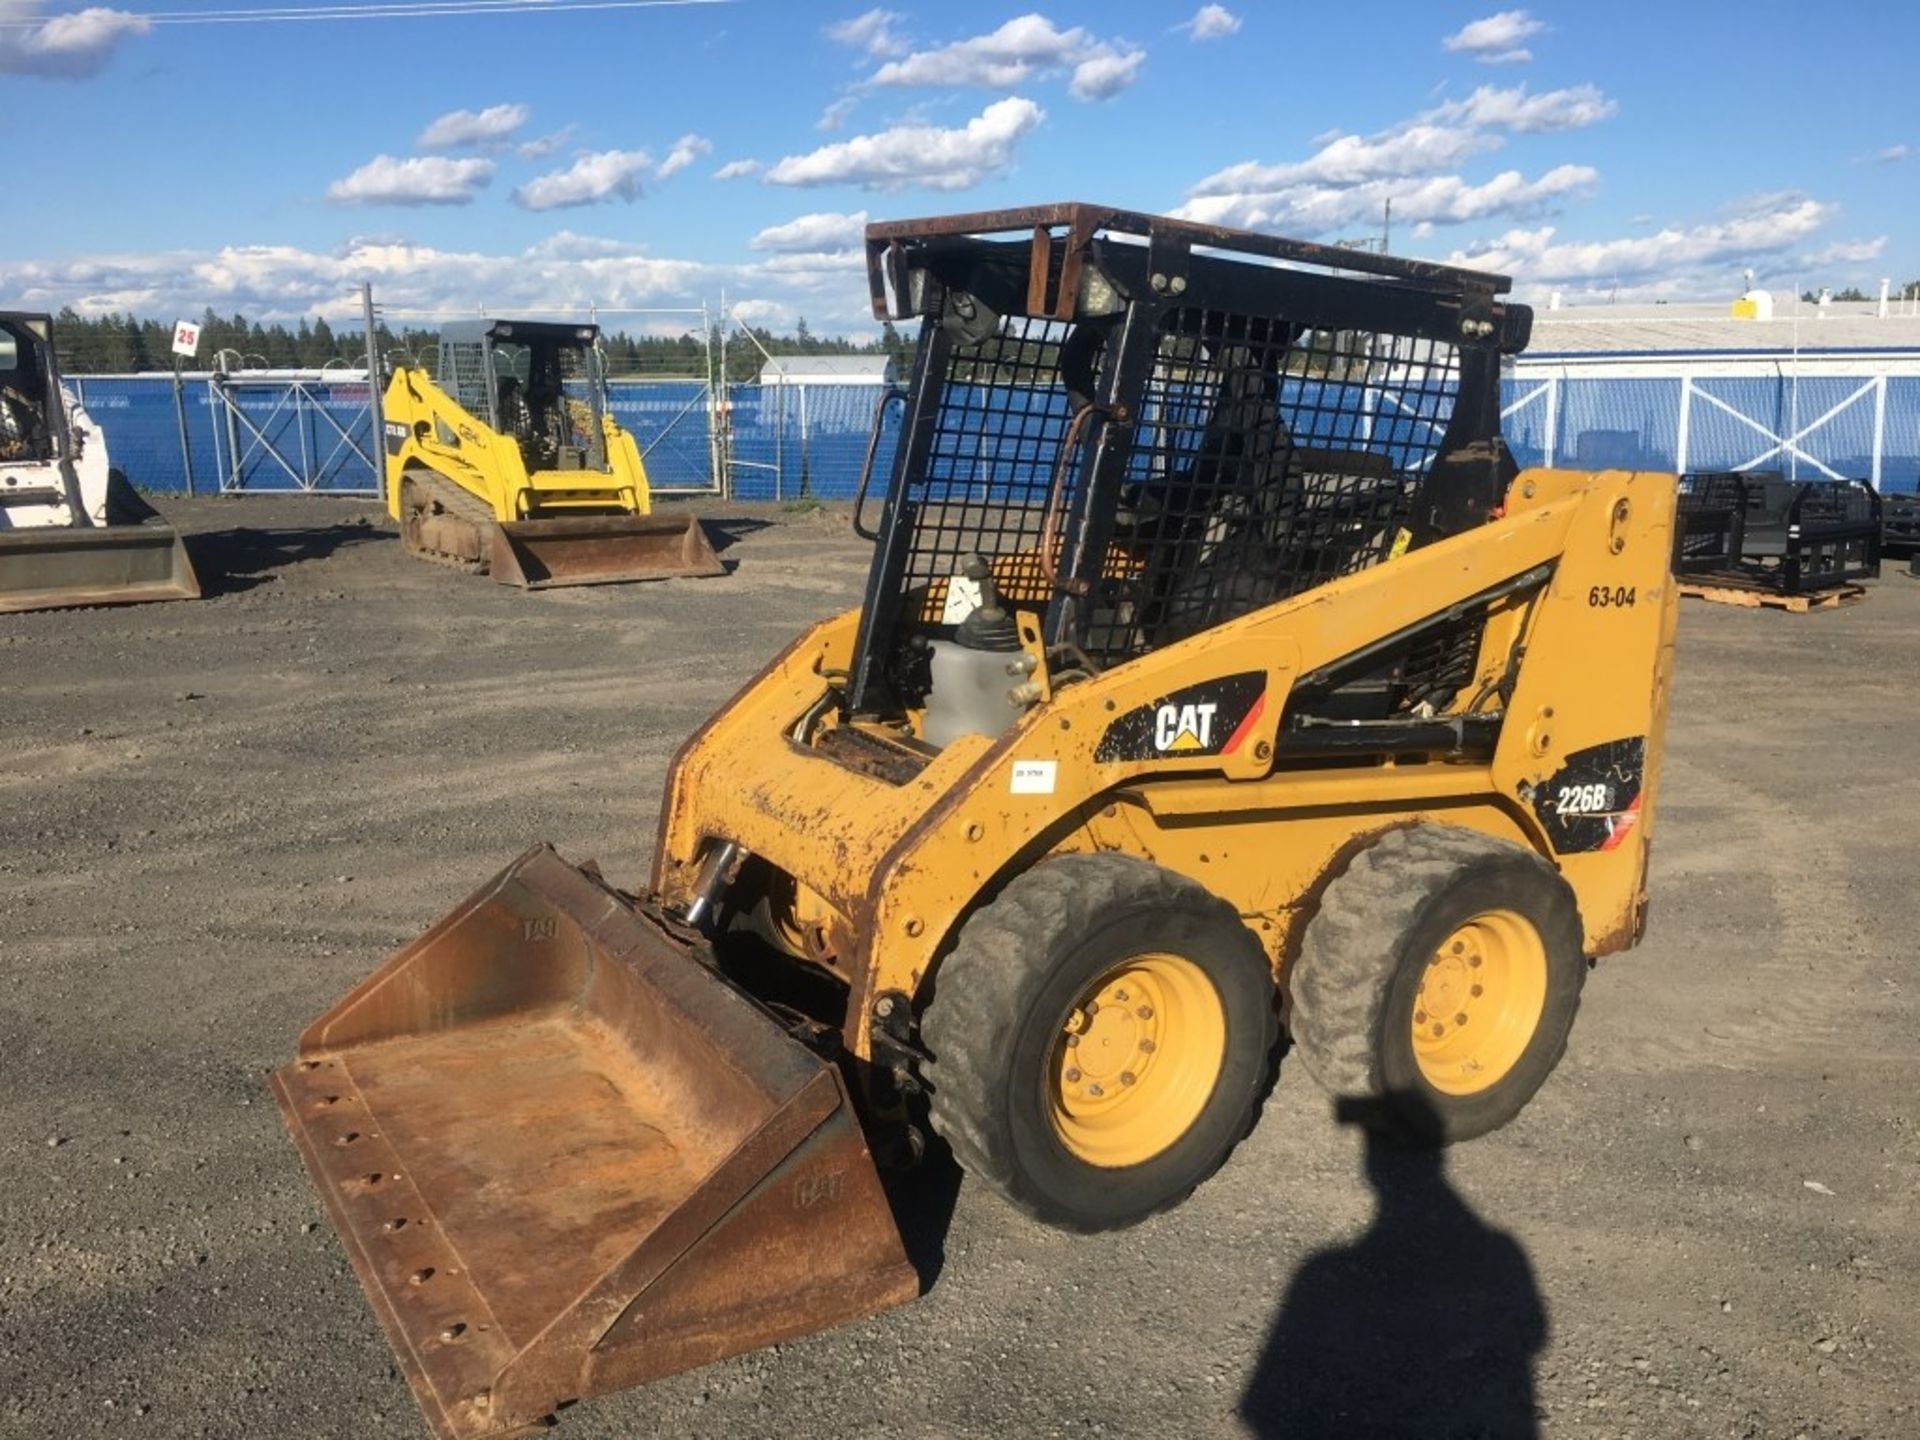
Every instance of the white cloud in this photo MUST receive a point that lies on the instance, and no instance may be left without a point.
(1496, 39)
(1211, 22)
(823, 230)
(1351, 159)
(1430, 200)
(62, 47)
(926, 155)
(567, 269)
(1551, 111)
(872, 32)
(1026, 47)
(734, 169)
(686, 150)
(1849, 252)
(594, 178)
(1105, 73)
(1676, 260)
(458, 129)
(419, 180)
(1347, 179)
(1893, 154)
(541, 146)
(836, 115)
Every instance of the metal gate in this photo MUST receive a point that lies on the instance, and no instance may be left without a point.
(302, 431)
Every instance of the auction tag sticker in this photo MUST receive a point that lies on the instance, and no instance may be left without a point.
(963, 598)
(1034, 777)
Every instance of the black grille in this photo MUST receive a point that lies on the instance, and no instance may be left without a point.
(997, 436)
(1266, 460)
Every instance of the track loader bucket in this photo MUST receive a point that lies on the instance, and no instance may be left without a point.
(566, 1157)
(600, 550)
(49, 569)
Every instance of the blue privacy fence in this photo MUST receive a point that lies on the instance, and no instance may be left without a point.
(782, 441)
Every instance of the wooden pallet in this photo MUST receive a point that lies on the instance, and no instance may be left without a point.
(1733, 592)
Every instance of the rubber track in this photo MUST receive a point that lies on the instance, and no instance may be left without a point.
(1347, 954)
(988, 982)
(462, 505)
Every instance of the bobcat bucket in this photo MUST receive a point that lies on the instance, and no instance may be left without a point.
(57, 567)
(566, 1157)
(600, 550)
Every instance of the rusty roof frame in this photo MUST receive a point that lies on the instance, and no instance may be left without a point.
(887, 242)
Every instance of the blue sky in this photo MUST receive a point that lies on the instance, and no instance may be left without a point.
(651, 157)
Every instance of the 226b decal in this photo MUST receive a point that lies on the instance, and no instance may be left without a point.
(1211, 718)
(1592, 802)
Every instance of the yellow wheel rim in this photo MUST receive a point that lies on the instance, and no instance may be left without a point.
(1480, 1001)
(1137, 1060)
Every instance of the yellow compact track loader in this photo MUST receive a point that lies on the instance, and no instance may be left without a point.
(72, 530)
(1218, 676)
(511, 464)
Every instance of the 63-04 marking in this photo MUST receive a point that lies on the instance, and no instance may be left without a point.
(1607, 597)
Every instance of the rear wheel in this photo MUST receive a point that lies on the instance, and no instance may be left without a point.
(1101, 1038)
(1440, 978)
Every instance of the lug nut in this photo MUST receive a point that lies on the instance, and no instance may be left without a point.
(1476, 991)
(1073, 1077)
(1419, 1017)
(1072, 1040)
(1126, 1077)
(1474, 962)
(1146, 1047)
(1121, 996)
(1145, 1012)
(1096, 1089)
(1461, 1018)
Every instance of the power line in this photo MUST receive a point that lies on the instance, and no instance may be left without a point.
(394, 10)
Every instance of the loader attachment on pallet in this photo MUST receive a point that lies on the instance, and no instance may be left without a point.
(56, 567)
(601, 550)
(566, 1157)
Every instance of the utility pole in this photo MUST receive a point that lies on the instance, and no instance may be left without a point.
(1386, 228)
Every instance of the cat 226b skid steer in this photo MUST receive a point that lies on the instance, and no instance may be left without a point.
(1218, 671)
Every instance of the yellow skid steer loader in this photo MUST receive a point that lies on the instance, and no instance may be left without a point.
(1218, 673)
(511, 464)
(72, 530)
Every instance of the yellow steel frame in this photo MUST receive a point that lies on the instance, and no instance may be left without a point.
(427, 429)
(901, 866)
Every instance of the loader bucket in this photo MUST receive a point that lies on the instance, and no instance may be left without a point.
(97, 565)
(600, 550)
(566, 1157)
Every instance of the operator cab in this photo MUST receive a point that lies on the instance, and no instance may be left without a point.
(538, 381)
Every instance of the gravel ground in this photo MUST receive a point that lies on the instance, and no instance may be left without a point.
(215, 817)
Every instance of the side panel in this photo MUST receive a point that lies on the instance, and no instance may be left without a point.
(1582, 740)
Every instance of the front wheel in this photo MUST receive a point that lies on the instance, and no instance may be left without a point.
(1101, 1038)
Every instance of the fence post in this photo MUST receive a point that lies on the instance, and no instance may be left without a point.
(180, 414)
(1681, 441)
(377, 440)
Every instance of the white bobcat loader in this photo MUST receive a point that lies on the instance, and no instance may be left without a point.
(72, 530)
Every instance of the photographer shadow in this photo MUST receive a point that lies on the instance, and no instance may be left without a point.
(1427, 1325)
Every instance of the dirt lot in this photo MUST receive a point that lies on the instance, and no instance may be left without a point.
(215, 817)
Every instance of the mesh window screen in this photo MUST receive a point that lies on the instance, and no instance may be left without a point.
(1003, 417)
(1267, 460)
